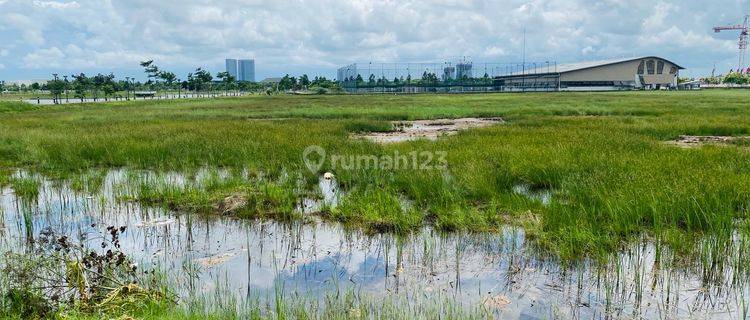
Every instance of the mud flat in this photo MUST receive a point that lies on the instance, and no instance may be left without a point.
(686, 141)
(427, 129)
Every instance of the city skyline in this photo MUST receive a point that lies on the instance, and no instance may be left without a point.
(241, 69)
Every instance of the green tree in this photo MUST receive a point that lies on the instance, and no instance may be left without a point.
(80, 84)
(304, 81)
(168, 77)
(56, 88)
(151, 70)
(202, 79)
(227, 79)
(736, 78)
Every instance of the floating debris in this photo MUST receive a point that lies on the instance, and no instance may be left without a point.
(154, 223)
(496, 302)
(218, 259)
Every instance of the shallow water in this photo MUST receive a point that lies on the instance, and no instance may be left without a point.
(254, 258)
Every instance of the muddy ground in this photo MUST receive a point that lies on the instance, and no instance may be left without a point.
(427, 129)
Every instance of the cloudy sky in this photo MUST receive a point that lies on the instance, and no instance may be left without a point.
(40, 37)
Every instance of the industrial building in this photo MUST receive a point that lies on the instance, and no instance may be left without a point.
(648, 72)
(241, 69)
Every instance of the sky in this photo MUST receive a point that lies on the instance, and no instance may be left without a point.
(38, 37)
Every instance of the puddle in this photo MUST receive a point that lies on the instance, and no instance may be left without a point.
(500, 271)
(330, 192)
(427, 129)
(685, 141)
(542, 195)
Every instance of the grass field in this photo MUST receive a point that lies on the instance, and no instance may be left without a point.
(603, 158)
(602, 155)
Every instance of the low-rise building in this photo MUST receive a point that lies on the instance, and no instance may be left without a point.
(648, 72)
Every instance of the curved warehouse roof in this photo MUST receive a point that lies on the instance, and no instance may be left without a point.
(576, 66)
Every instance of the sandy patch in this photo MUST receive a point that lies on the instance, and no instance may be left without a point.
(427, 129)
(685, 141)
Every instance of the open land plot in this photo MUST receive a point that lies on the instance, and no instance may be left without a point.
(601, 155)
(584, 175)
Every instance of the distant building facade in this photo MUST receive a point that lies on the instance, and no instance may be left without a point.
(232, 67)
(648, 72)
(241, 69)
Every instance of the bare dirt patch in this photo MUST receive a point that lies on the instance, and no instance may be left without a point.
(427, 129)
(231, 204)
(686, 141)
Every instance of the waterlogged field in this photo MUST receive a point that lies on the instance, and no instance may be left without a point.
(567, 205)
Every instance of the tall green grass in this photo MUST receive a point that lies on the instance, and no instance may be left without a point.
(601, 155)
(25, 187)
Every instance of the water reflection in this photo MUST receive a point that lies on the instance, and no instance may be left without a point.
(255, 258)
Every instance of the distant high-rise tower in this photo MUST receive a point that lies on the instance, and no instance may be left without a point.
(232, 67)
(463, 70)
(242, 69)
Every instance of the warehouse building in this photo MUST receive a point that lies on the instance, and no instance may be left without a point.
(619, 74)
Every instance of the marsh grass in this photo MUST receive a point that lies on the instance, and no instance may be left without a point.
(26, 187)
(601, 154)
(4, 178)
(90, 181)
(333, 305)
(377, 210)
(261, 198)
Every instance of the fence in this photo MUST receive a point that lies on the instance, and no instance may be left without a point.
(435, 77)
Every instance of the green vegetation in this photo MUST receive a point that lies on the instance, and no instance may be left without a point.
(345, 305)
(57, 277)
(90, 181)
(377, 210)
(25, 187)
(246, 198)
(601, 155)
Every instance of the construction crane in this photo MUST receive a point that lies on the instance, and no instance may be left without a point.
(743, 39)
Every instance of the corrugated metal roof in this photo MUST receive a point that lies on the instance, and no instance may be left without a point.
(568, 67)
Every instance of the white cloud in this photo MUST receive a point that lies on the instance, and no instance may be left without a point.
(51, 57)
(56, 5)
(494, 51)
(299, 36)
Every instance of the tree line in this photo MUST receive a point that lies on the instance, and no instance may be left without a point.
(106, 86)
(427, 79)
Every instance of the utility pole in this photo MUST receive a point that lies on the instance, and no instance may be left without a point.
(66, 89)
(523, 62)
(54, 95)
